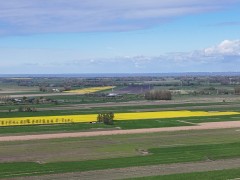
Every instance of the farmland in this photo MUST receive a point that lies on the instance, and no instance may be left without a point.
(158, 156)
(126, 151)
(197, 127)
(118, 116)
(90, 90)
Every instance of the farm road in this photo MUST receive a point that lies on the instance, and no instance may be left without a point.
(200, 126)
(130, 172)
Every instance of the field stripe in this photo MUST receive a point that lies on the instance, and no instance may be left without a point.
(200, 126)
(144, 171)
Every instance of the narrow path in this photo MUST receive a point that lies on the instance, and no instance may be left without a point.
(200, 126)
(130, 172)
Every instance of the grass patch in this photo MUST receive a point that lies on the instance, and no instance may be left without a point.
(213, 119)
(135, 124)
(149, 123)
(157, 156)
(52, 128)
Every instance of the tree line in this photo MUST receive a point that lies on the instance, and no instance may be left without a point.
(158, 95)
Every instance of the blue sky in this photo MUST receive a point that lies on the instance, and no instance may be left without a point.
(127, 36)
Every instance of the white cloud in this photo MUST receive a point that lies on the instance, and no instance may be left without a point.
(40, 16)
(225, 48)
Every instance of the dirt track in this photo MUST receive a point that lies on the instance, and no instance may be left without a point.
(201, 126)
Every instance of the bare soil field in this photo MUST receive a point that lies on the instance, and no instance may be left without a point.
(130, 172)
(16, 89)
(200, 126)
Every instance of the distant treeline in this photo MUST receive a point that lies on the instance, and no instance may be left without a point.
(158, 95)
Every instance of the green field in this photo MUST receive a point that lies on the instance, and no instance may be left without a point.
(118, 151)
(233, 174)
(218, 106)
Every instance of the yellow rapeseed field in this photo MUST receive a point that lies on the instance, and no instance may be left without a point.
(90, 90)
(168, 114)
(118, 116)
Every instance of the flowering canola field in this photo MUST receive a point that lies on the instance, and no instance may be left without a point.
(90, 90)
(118, 116)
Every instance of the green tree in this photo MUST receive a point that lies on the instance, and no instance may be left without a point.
(106, 118)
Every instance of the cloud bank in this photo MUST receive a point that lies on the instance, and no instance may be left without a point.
(223, 57)
(43, 16)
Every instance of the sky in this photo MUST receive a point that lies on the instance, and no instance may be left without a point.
(124, 36)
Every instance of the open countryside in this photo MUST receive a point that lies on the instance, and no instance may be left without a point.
(120, 90)
(198, 127)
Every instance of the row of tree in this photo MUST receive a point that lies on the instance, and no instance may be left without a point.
(158, 95)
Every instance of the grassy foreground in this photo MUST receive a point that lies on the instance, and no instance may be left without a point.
(164, 155)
